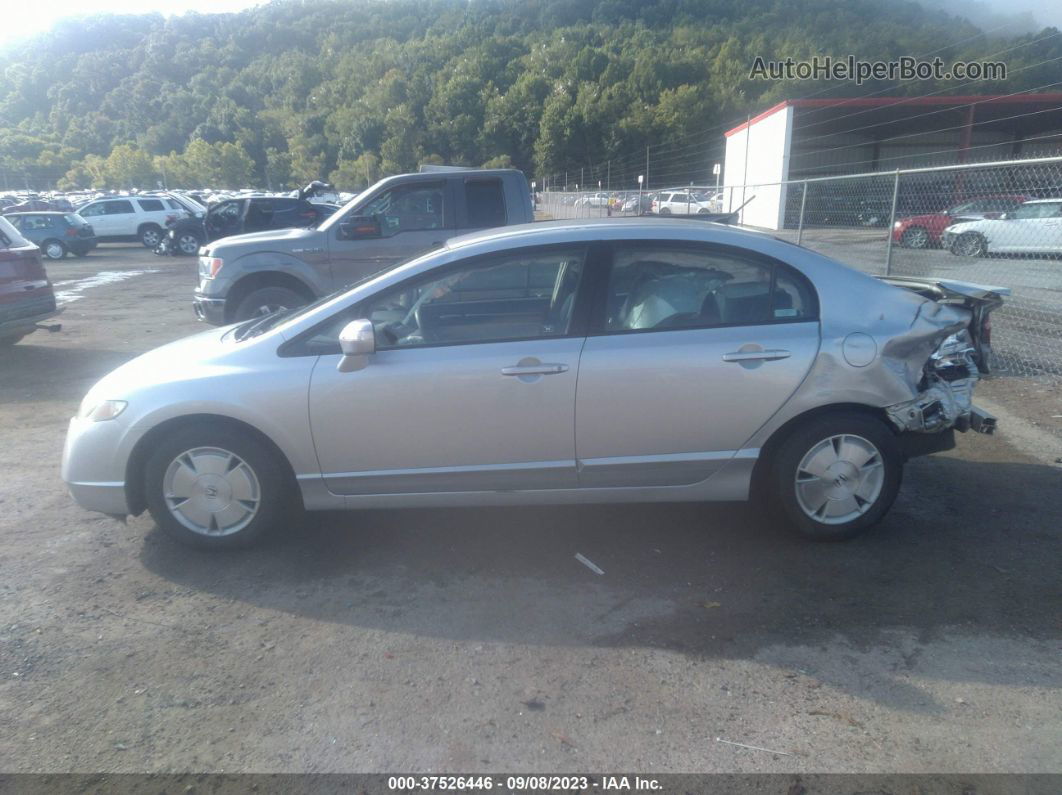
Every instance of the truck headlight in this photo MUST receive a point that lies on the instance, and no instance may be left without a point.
(101, 411)
(209, 267)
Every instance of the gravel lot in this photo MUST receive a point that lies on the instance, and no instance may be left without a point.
(465, 640)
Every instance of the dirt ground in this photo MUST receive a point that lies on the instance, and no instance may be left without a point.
(472, 640)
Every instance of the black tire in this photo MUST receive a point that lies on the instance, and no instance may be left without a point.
(788, 497)
(665, 211)
(150, 235)
(970, 244)
(915, 237)
(53, 249)
(187, 244)
(266, 300)
(276, 492)
(7, 342)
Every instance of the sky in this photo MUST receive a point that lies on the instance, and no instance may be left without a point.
(25, 19)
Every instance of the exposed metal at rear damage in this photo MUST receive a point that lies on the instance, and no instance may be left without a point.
(943, 356)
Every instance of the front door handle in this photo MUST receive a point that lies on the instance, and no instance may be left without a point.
(535, 369)
(752, 356)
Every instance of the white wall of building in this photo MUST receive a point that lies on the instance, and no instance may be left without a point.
(767, 144)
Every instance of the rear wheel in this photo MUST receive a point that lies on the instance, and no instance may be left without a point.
(970, 244)
(836, 476)
(915, 237)
(150, 235)
(216, 487)
(266, 301)
(53, 249)
(665, 211)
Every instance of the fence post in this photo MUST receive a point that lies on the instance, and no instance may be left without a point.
(800, 223)
(892, 220)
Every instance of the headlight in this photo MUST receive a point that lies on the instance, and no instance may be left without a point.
(102, 411)
(209, 267)
(897, 225)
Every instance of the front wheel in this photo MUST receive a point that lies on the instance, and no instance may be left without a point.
(969, 244)
(266, 301)
(187, 243)
(53, 249)
(837, 475)
(216, 487)
(151, 236)
(915, 237)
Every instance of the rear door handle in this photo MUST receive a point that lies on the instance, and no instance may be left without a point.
(535, 369)
(752, 356)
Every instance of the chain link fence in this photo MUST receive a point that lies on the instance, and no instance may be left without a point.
(996, 224)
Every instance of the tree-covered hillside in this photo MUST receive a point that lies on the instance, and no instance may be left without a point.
(351, 89)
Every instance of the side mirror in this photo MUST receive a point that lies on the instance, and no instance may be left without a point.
(357, 341)
(360, 227)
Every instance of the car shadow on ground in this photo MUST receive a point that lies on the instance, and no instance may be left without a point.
(964, 550)
(31, 368)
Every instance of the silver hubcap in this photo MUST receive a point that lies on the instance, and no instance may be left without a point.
(969, 245)
(188, 244)
(211, 491)
(268, 309)
(151, 237)
(916, 238)
(54, 251)
(839, 479)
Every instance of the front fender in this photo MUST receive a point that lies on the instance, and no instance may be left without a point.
(317, 280)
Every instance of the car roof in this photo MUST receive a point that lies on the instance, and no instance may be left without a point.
(546, 232)
(1044, 201)
(40, 212)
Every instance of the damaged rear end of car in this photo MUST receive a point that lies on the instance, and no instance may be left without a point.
(942, 357)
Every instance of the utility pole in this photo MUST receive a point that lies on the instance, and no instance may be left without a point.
(608, 177)
(647, 168)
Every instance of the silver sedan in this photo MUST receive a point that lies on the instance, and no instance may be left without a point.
(617, 360)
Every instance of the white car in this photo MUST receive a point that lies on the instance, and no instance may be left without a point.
(1034, 227)
(681, 203)
(142, 218)
(592, 200)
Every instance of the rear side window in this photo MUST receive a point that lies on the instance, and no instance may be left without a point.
(654, 287)
(486, 203)
(118, 207)
(150, 205)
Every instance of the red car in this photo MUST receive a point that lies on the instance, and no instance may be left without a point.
(921, 231)
(26, 296)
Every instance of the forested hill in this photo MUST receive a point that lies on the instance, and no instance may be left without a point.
(355, 88)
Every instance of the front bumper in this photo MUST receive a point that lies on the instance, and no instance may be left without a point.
(94, 466)
(209, 310)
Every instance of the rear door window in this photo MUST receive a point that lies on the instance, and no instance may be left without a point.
(666, 287)
(151, 205)
(486, 203)
(119, 207)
